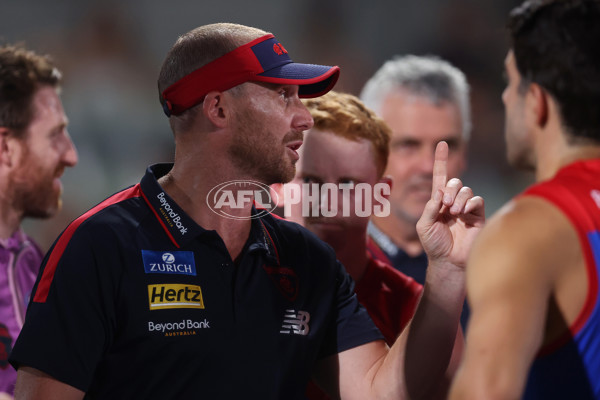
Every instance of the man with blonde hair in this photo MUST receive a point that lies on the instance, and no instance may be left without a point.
(348, 147)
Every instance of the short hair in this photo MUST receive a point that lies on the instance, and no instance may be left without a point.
(555, 45)
(200, 46)
(425, 76)
(22, 73)
(346, 116)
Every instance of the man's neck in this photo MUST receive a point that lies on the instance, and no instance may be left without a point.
(10, 220)
(555, 148)
(191, 196)
(7, 232)
(548, 167)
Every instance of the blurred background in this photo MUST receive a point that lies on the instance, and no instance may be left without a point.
(110, 53)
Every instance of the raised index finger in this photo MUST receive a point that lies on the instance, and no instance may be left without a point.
(440, 167)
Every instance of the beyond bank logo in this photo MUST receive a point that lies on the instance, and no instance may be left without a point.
(226, 198)
(171, 217)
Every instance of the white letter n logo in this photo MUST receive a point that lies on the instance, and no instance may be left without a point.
(295, 323)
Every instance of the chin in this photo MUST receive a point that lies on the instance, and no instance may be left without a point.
(410, 214)
(521, 163)
(51, 209)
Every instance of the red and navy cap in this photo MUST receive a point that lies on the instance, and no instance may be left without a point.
(263, 60)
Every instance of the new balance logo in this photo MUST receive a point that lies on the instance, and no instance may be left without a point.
(296, 323)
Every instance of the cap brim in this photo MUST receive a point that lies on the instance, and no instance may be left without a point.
(314, 80)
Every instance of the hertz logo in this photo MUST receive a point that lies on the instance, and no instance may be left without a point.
(174, 296)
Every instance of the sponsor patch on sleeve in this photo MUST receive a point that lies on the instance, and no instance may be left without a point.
(169, 262)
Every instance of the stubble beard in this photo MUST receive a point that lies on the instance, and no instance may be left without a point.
(518, 152)
(34, 193)
(38, 199)
(252, 153)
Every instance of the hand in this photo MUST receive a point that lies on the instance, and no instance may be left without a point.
(452, 217)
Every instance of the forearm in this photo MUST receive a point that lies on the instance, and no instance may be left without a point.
(33, 384)
(419, 358)
(432, 332)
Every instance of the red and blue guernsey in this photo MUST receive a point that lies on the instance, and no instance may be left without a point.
(570, 368)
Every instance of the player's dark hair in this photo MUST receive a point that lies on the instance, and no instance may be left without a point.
(555, 45)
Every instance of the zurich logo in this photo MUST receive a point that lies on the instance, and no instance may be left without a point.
(168, 258)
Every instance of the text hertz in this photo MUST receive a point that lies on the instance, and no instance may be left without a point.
(174, 296)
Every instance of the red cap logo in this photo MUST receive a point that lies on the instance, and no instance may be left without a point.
(279, 49)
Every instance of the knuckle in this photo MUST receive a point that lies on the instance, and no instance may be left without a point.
(454, 182)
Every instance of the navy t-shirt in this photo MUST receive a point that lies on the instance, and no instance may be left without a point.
(135, 300)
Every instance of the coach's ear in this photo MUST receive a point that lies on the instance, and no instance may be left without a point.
(216, 108)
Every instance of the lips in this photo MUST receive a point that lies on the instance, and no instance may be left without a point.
(419, 187)
(56, 179)
(293, 147)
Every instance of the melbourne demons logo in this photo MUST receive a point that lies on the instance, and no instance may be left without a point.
(279, 49)
(285, 279)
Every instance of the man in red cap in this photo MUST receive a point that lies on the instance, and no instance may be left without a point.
(178, 287)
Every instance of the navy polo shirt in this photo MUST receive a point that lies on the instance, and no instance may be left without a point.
(135, 300)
